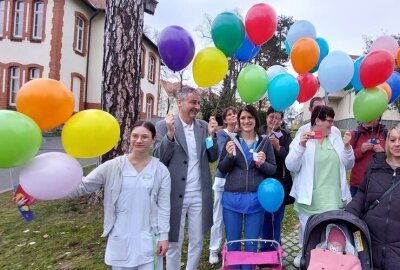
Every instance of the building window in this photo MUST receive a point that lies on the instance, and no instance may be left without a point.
(18, 19)
(79, 34)
(34, 73)
(149, 108)
(152, 64)
(142, 61)
(14, 83)
(1, 17)
(37, 29)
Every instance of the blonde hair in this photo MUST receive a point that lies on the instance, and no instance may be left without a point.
(387, 148)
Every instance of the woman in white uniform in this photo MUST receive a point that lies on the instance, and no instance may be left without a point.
(136, 204)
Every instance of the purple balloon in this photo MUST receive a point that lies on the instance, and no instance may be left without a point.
(176, 47)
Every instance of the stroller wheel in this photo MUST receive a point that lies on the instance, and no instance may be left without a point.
(303, 263)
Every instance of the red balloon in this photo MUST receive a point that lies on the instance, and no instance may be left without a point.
(308, 87)
(376, 68)
(260, 23)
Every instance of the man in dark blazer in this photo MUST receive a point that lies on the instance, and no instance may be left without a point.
(186, 145)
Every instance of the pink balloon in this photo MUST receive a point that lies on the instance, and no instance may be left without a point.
(51, 176)
(385, 43)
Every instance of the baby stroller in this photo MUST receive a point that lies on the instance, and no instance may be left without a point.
(235, 258)
(355, 229)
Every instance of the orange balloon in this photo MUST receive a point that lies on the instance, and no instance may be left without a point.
(386, 87)
(304, 55)
(48, 102)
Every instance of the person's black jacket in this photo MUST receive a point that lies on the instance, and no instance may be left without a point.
(282, 173)
(384, 220)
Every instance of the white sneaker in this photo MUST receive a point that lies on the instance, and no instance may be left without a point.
(213, 257)
(296, 261)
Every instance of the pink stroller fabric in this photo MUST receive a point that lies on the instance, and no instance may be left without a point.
(322, 259)
(232, 258)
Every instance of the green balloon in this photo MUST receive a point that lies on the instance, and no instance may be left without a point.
(348, 87)
(369, 104)
(252, 83)
(227, 31)
(20, 139)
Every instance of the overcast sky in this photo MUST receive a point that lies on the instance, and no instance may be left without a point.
(341, 22)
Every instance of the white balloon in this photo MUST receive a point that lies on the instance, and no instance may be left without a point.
(51, 176)
(275, 70)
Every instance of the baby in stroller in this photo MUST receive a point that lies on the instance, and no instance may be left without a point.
(336, 240)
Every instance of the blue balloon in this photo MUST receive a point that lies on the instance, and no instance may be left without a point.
(335, 71)
(247, 50)
(283, 91)
(355, 81)
(270, 194)
(394, 83)
(274, 71)
(287, 48)
(300, 29)
(323, 51)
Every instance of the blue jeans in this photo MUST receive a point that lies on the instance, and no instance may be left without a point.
(353, 191)
(272, 228)
(233, 230)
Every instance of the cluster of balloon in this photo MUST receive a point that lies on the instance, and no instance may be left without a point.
(270, 194)
(253, 80)
(375, 80)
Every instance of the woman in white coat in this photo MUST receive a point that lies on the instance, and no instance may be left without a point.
(136, 204)
(319, 160)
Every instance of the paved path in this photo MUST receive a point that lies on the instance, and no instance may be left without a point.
(290, 249)
(9, 177)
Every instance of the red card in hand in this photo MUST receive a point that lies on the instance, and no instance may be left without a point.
(315, 134)
(20, 192)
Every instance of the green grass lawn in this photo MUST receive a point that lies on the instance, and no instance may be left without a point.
(66, 235)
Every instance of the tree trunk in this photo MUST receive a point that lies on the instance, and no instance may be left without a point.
(121, 68)
(123, 32)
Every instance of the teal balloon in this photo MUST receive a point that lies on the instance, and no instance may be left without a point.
(355, 80)
(20, 139)
(369, 104)
(252, 83)
(227, 31)
(287, 48)
(270, 194)
(283, 91)
(323, 51)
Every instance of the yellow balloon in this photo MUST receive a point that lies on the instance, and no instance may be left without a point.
(90, 133)
(209, 67)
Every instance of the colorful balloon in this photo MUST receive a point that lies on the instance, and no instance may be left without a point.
(247, 50)
(300, 29)
(348, 87)
(20, 139)
(209, 67)
(275, 70)
(385, 87)
(335, 71)
(387, 43)
(369, 104)
(227, 31)
(308, 87)
(51, 176)
(176, 47)
(252, 83)
(287, 48)
(283, 91)
(261, 22)
(376, 68)
(323, 51)
(394, 83)
(304, 55)
(270, 194)
(355, 81)
(90, 133)
(398, 57)
(48, 102)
